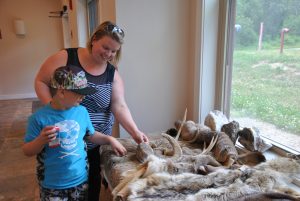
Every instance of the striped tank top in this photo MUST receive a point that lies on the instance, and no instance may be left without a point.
(98, 105)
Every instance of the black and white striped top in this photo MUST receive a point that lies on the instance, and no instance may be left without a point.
(99, 104)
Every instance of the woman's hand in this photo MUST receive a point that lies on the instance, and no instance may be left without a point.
(140, 137)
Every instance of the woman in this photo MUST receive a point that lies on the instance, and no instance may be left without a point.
(103, 47)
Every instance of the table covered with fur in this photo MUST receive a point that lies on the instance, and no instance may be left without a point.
(202, 164)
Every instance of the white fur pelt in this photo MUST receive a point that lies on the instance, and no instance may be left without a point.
(157, 183)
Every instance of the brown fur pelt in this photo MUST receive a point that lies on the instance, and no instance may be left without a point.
(270, 177)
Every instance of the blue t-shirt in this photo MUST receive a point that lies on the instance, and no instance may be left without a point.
(66, 165)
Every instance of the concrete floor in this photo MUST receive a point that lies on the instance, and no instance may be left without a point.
(17, 172)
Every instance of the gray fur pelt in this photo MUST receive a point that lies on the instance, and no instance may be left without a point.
(222, 185)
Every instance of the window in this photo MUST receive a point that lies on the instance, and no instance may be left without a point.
(92, 6)
(264, 78)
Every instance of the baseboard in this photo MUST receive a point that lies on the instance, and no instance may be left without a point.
(17, 96)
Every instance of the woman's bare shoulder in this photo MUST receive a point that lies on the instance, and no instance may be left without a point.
(57, 59)
(53, 62)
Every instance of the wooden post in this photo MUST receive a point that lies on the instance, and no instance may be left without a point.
(260, 35)
(281, 41)
(284, 30)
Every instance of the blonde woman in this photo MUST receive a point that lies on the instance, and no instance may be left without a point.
(103, 49)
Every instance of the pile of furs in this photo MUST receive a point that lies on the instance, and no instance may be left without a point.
(216, 173)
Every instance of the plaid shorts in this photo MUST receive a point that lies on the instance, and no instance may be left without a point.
(77, 193)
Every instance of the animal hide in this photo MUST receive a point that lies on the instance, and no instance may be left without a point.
(268, 177)
(251, 140)
(215, 120)
(161, 178)
(231, 129)
(224, 150)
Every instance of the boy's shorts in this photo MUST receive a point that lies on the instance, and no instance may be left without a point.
(77, 193)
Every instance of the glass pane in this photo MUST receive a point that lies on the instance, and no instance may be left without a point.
(266, 69)
(92, 15)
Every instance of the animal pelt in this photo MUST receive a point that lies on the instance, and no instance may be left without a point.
(215, 120)
(231, 129)
(251, 158)
(190, 130)
(251, 140)
(271, 196)
(144, 150)
(225, 184)
(198, 160)
(224, 150)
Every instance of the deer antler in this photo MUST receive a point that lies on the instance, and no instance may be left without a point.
(121, 190)
(176, 152)
(210, 146)
(181, 125)
(144, 150)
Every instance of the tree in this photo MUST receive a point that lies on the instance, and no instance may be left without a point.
(275, 14)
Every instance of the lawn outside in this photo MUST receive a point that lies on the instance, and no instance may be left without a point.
(266, 93)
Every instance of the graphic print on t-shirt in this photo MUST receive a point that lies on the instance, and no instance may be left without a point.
(68, 135)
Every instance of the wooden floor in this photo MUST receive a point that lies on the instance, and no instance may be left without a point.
(17, 172)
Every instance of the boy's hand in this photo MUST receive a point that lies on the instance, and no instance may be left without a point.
(117, 147)
(48, 134)
(36, 146)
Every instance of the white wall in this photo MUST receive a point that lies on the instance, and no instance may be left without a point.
(155, 61)
(21, 57)
(168, 62)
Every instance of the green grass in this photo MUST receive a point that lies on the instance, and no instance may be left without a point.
(266, 86)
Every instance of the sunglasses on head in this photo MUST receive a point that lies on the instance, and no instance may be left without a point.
(115, 29)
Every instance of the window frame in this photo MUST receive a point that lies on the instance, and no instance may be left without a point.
(92, 15)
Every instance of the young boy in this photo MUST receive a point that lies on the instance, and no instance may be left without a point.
(56, 133)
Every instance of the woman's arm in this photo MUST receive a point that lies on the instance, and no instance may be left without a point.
(122, 112)
(42, 79)
(100, 138)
